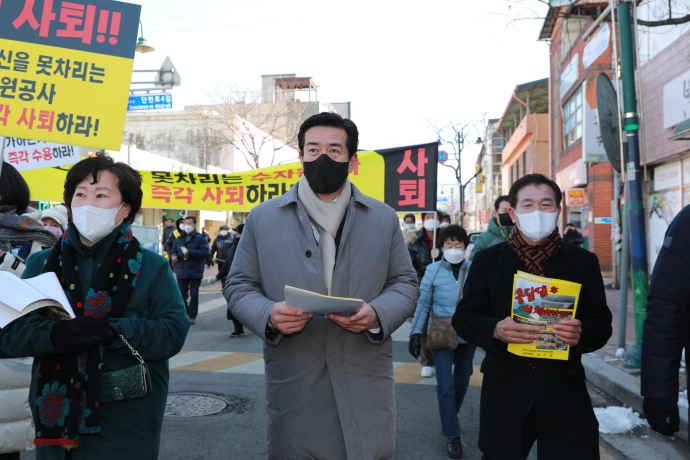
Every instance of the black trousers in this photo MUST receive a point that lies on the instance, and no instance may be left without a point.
(529, 434)
(191, 286)
(238, 325)
(10, 456)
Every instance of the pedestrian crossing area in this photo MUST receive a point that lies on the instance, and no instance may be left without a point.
(252, 363)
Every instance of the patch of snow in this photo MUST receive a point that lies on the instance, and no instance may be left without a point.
(609, 359)
(620, 353)
(682, 399)
(615, 419)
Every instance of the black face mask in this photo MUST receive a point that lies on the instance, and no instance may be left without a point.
(505, 220)
(325, 175)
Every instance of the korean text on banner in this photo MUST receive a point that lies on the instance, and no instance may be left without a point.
(403, 177)
(25, 154)
(65, 70)
(542, 302)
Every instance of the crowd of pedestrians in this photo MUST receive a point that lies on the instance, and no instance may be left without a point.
(329, 378)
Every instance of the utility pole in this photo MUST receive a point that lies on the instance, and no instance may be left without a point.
(633, 199)
(462, 188)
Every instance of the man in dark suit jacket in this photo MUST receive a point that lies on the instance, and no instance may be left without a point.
(525, 399)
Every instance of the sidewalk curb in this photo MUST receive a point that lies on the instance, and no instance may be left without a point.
(624, 387)
(208, 280)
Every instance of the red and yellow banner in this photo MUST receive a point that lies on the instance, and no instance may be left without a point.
(65, 70)
(404, 178)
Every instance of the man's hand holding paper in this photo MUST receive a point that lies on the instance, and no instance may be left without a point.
(365, 319)
(288, 320)
(568, 331)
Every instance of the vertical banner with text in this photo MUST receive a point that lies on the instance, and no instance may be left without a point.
(410, 177)
(65, 70)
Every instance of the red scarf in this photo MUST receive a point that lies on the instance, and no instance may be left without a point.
(536, 257)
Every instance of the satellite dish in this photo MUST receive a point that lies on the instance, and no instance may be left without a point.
(607, 114)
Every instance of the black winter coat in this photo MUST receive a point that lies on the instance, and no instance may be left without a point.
(229, 251)
(667, 327)
(193, 267)
(567, 426)
(573, 237)
(419, 251)
(219, 247)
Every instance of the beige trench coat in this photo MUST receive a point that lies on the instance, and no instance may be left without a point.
(330, 393)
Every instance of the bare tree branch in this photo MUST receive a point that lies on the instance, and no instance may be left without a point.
(665, 7)
(258, 129)
(459, 135)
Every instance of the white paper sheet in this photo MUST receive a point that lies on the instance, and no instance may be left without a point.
(16, 295)
(318, 304)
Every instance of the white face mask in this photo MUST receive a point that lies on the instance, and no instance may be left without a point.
(454, 256)
(95, 223)
(537, 225)
(431, 224)
(188, 228)
(224, 233)
(410, 227)
(444, 224)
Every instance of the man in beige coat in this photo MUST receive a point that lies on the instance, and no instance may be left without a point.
(329, 380)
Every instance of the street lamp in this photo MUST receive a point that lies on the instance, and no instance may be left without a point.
(142, 45)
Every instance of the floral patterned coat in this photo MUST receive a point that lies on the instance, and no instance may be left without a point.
(155, 324)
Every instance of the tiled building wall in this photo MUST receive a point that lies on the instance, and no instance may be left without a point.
(656, 73)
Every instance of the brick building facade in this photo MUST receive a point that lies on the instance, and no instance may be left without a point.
(578, 160)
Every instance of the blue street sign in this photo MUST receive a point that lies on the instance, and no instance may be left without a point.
(442, 156)
(152, 102)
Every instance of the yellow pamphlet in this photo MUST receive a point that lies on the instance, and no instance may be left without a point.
(543, 302)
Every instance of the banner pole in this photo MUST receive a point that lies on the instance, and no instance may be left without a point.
(2, 155)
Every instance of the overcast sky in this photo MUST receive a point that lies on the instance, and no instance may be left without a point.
(399, 63)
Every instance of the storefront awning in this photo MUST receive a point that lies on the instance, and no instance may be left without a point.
(681, 132)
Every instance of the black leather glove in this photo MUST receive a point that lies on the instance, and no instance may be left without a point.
(65, 337)
(415, 346)
(93, 327)
(657, 411)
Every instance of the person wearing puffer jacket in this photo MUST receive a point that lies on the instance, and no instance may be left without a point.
(441, 290)
(20, 236)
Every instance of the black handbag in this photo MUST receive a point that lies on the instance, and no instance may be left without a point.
(122, 384)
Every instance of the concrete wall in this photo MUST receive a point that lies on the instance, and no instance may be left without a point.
(176, 135)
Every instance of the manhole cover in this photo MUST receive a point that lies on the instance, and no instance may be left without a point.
(193, 405)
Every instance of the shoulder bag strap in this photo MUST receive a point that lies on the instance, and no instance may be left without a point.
(431, 307)
(134, 352)
(462, 283)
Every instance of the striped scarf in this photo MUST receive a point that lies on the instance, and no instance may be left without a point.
(538, 256)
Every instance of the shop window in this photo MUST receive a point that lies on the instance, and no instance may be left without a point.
(572, 119)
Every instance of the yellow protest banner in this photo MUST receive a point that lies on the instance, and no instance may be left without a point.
(65, 70)
(402, 177)
(243, 191)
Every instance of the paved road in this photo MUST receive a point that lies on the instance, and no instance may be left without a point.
(212, 363)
